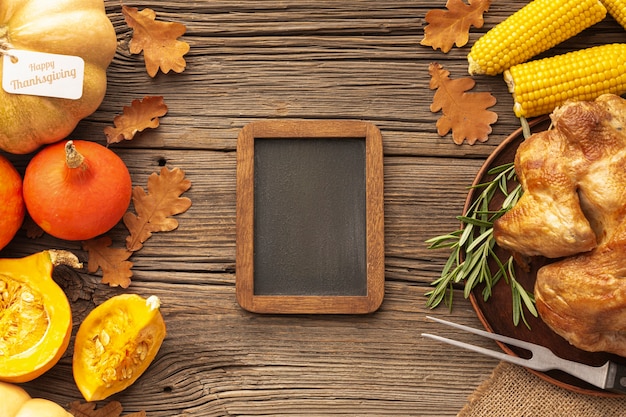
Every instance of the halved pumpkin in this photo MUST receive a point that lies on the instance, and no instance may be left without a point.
(116, 343)
(35, 315)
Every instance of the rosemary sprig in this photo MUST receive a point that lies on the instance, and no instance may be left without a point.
(472, 246)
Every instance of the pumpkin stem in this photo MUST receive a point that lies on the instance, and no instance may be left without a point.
(73, 158)
(64, 257)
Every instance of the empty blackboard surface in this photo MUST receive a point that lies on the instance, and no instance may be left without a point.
(309, 231)
(309, 217)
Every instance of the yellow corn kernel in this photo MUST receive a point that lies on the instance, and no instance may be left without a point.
(535, 28)
(617, 9)
(538, 87)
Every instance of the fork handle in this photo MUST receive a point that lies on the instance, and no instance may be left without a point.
(616, 378)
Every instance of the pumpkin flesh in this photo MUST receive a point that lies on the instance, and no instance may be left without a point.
(67, 27)
(35, 316)
(115, 344)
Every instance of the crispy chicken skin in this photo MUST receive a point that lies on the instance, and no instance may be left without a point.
(574, 206)
(548, 219)
(583, 297)
(574, 182)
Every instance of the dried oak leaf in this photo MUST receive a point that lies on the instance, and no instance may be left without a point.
(449, 27)
(464, 113)
(112, 409)
(140, 115)
(114, 263)
(157, 40)
(155, 208)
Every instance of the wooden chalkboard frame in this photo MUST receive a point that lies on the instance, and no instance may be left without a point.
(375, 256)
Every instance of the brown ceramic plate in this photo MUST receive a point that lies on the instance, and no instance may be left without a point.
(495, 313)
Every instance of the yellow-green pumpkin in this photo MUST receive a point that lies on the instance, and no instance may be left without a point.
(78, 28)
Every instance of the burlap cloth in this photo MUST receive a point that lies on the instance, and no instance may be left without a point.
(512, 391)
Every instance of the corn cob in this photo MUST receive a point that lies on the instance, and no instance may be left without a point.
(538, 87)
(617, 9)
(535, 28)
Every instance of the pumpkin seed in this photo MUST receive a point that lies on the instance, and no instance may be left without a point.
(98, 346)
(144, 350)
(109, 375)
(28, 297)
(104, 337)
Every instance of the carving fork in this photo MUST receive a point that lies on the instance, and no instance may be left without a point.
(611, 376)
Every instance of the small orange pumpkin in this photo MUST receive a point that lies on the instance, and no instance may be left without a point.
(76, 190)
(116, 343)
(35, 319)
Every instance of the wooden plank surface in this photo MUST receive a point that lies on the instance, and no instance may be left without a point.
(256, 60)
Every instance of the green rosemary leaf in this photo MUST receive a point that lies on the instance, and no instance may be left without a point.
(453, 260)
(444, 285)
(480, 239)
(499, 169)
(512, 198)
(468, 231)
(502, 270)
(516, 306)
(472, 247)
(520, 298)
(526, 297)
(475, 222)
(511, 173)
(449, 236)
(471, 280)
(444, 241)
(529, 300)
(503, 184)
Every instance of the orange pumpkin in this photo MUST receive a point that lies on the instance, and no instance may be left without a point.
(76, 190)
(12, 209)
(35, 315)
(115, 344)
(78, 28)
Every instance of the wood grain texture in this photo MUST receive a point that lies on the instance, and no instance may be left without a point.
(259, 60)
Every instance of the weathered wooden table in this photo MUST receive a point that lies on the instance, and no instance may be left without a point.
(295, 59)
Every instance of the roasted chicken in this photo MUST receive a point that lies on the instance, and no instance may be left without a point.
(574, 207)
(583, 297)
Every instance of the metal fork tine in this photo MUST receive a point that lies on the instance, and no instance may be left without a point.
(488, 352)
(501, 338)
(543, 359)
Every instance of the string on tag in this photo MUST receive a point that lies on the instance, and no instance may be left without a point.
(5, 47)
(5, 50)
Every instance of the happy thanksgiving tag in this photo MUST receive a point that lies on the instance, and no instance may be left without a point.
(43, 74)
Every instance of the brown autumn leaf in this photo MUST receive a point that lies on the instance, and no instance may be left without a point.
(111, 409)
(449, 27)
(140, 115)
(114, 263)
(157, 40)
(465, 113)
(155, 208)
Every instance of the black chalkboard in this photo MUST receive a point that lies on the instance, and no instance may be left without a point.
(309, 217)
